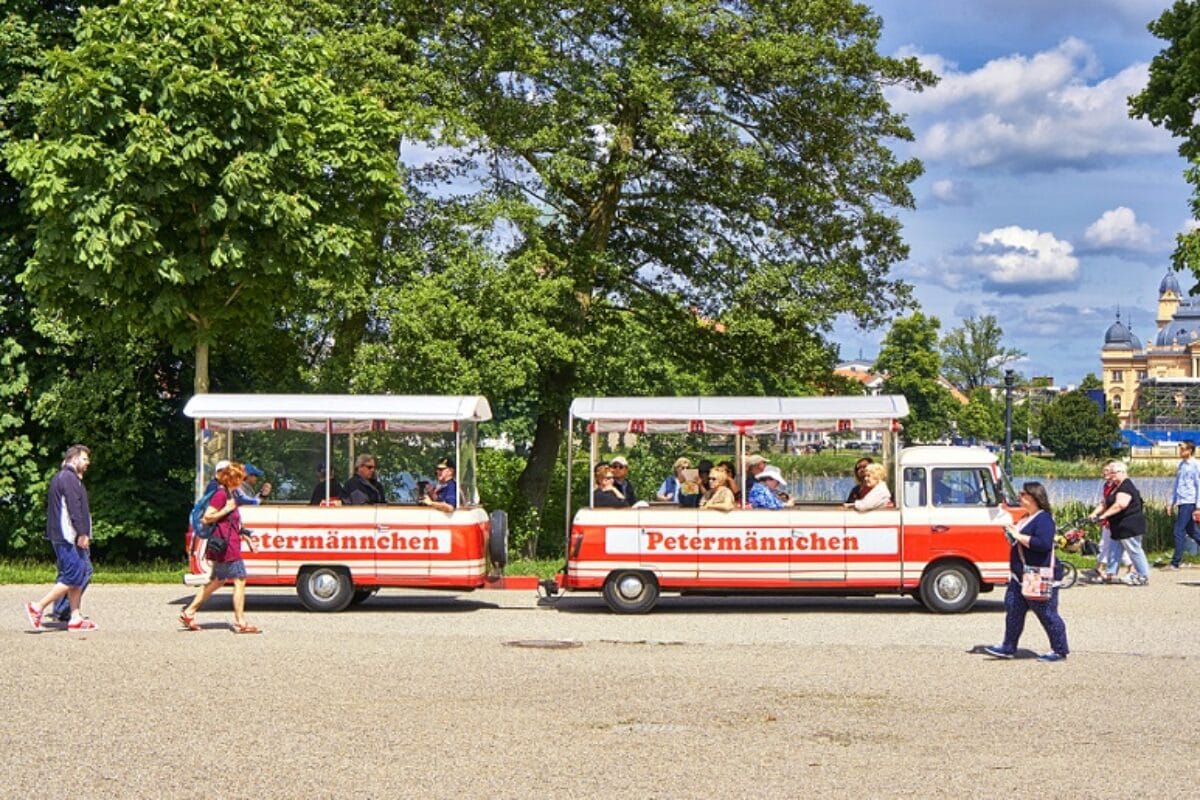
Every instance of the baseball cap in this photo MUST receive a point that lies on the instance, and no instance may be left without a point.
(222, 464)
(755, 460)
(619, 461)
(253, 470)
(772, 472)
(445, 462)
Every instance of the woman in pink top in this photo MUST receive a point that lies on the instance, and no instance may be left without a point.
(223, 511)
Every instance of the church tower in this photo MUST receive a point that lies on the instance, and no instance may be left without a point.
(1169, 296)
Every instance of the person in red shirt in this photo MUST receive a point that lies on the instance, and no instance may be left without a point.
(223, 512)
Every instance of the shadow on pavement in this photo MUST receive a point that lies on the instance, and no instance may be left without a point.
(764, 604)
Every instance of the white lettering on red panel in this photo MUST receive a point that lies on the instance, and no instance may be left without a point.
(874, 541)
(397, 541)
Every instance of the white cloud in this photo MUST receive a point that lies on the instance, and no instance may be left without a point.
(951, 193)
(1004, 261)
(1015, 260)
(1118, 230)
(1026, 113)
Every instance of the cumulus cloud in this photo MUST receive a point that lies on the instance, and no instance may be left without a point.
(951, 193)
(1029, 113)
(1118, 231)
(1015, 260)
(1005, 261)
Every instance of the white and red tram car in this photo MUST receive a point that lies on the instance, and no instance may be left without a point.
(941, 542)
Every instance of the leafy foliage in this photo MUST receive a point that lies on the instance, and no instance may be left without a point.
(910, 359)
(973, 355)
(190, 158)
(1073, 426)
(1171, 99)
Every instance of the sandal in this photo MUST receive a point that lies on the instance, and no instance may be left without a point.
(245, 627)
(189, 623)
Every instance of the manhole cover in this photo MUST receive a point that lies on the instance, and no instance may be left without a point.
(545, 644)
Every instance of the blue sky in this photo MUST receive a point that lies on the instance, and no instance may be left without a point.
(1042, 202)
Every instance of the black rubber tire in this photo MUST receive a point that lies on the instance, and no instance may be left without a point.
(949, 587)
(325, 589)
(630, 592)
(497, 544)
(1070, 575)
(361, 596)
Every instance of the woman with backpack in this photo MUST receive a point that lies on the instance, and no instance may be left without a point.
(224, 550)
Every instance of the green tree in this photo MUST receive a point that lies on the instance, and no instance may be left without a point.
(190, 163)
(1171, 100)
(716, 174)
(1090, 382)
(1072, 426)
(909, 358)
(972, 354)
(982, 417)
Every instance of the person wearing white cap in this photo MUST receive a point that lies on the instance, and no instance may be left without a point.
(620, 470)
(762, 492)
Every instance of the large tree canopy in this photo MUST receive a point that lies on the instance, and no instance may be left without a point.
(910, 361)
(716, 172)
(192, 159)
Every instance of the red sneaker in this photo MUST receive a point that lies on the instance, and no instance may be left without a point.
(82, 624)
(35, 616)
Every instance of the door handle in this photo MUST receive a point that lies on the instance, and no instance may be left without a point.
(940, 528)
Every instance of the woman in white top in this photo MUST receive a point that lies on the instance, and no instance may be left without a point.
(876, 493)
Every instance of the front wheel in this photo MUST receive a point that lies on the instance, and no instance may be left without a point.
(325, 589)
(949, 587)
(630, 592)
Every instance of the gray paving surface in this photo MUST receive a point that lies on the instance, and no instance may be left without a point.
(424, 696)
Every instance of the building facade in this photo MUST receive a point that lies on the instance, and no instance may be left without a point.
(1156, 383)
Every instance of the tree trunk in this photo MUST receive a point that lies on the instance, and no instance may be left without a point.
(200, 380)
(534, 483)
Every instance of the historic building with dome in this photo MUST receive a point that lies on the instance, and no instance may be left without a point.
(1156, 385)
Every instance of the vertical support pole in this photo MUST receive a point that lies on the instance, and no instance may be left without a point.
(1009, 379)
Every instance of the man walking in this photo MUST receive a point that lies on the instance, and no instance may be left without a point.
(69, 529)
(1183, 500)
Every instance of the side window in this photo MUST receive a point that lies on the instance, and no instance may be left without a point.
(964, 486)
(914, 487)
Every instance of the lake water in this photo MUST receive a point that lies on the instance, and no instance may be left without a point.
(1061, 490)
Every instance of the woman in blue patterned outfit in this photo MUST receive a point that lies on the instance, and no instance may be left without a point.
(1033, 539)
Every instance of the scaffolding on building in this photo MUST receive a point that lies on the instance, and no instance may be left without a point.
(1168, 403)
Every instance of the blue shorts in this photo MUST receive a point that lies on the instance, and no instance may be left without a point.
(229, 570)
(74, 564)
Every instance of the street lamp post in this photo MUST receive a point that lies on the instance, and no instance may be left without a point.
(1009, 378)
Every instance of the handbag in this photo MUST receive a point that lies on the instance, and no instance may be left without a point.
(1037, 582)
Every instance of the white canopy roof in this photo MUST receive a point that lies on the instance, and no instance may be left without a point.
(348, 412)
(740, 414)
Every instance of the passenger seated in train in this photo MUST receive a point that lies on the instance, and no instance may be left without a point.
(682, 486)
(877, 494)
(318, 492)
(720, 496)
(605, 493)
(445, 496)
(763, 492)
(859, 490)
(363, 488)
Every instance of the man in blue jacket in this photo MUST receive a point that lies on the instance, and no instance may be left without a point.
(69, 530)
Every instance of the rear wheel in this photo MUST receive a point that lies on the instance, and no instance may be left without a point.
(325, 588)
(949, 587)
(498, 539)
(1069, 576)
(631, 592)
